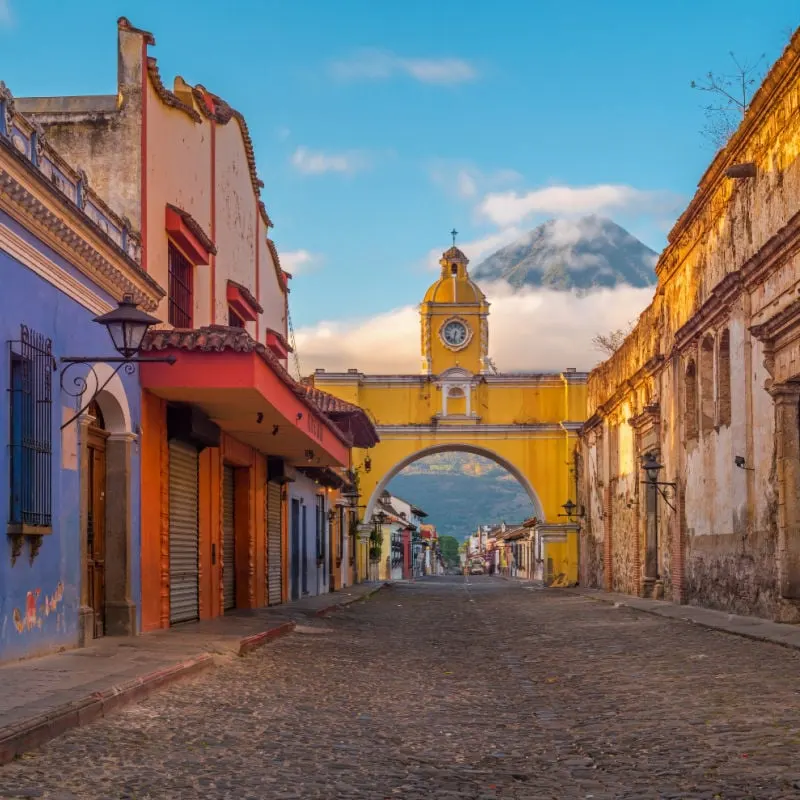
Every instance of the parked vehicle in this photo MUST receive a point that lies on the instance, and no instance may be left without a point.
(476, 566)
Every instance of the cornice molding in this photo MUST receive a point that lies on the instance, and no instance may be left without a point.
(76, 246)
(477, 431)
(37, 262)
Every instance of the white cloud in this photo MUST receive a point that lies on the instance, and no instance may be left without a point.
(316, 162)
(465, 184)
(6, 17)
(530, 330)
(283, 133)
(300, 262)
(375, 64)
(466, 181)
(508, 208)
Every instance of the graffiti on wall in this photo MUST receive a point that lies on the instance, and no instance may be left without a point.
(35, 612)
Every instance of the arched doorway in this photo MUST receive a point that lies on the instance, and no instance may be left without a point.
(95, 578)
(108, 600)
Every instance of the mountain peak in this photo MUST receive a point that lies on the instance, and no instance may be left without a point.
(591, 252)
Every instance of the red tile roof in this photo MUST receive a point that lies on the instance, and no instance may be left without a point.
(352, 418)
(219, 338)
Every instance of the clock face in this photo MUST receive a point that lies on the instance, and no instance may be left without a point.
(454, 333)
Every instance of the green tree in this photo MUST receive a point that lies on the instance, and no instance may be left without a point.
(449, 547)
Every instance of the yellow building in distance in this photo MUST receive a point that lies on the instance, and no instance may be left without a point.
(525, 422)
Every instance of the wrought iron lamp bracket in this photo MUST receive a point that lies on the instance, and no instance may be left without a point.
(79, 384)
(658, 484)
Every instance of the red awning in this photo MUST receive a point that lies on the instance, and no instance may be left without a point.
(243, 387)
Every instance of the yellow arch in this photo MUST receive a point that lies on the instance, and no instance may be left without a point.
(460, 447)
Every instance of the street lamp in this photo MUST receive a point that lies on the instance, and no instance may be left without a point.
(570, 509)
(651, 467)
(127, 326)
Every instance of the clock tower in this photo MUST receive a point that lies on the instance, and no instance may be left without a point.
(454, 320)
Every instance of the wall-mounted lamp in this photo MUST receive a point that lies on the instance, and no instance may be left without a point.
(309, 454)
(742, 464)
(299, 415)
(127, 326)
(259, 417)
(275, 429)
(367, 464)
(572, 510)
(738, 171)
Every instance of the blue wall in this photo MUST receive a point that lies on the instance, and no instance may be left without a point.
(26, 298)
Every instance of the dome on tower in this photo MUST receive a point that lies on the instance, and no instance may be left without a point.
(454, 254)
(454, 286)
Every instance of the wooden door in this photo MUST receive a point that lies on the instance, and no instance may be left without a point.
(96, 527)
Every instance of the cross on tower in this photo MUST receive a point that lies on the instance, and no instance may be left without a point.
(454, 233)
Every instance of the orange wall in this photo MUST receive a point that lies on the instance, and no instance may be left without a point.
(210, 524)
(154, 514)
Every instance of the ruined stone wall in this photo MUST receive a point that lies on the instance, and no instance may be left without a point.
(693, 356)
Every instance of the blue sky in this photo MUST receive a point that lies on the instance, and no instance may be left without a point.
(378, 126)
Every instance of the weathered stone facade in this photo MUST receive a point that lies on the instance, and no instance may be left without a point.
(709, 382)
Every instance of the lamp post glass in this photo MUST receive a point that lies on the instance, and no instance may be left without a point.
(127, 326)
(651, 466)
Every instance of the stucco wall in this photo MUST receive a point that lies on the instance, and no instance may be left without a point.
(305, 490)
(236, 210)
(50, 587)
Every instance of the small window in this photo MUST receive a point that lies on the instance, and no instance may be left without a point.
(181, 288)
(31, 435)
(234, 320)
(724, 378)
(690, 400)
(707, 384)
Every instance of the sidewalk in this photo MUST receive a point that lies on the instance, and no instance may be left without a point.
(763, 630)
(54, 693)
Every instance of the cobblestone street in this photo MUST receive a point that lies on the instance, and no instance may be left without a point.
(454, 689)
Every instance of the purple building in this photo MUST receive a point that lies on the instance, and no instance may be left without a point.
(69, 463)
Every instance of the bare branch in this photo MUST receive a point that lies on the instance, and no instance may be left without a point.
(736, 92)
(612, 341)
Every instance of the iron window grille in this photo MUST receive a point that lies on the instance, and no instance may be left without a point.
(397, 549)
(234, 320)
(31, 433)
(181, 288)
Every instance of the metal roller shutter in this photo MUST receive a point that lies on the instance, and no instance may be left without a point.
(274, 543)
(184, 598)
(228, 540)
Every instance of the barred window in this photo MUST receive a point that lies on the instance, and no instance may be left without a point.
(31, 434)
(234, 320)
(181, 288)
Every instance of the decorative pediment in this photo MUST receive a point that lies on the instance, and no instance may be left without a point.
(455, 375)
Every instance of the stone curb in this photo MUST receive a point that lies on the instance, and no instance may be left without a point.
(36, 731)
(250, 643)
(671, 611)
(322, 612)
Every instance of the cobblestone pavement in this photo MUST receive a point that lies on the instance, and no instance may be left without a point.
(454, 689)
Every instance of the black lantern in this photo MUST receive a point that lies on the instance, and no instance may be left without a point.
(380, 518)
(569, 507)
(651, 467)
(127, 326)
(367, 464)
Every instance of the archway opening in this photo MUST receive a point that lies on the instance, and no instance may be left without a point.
(462, 489)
